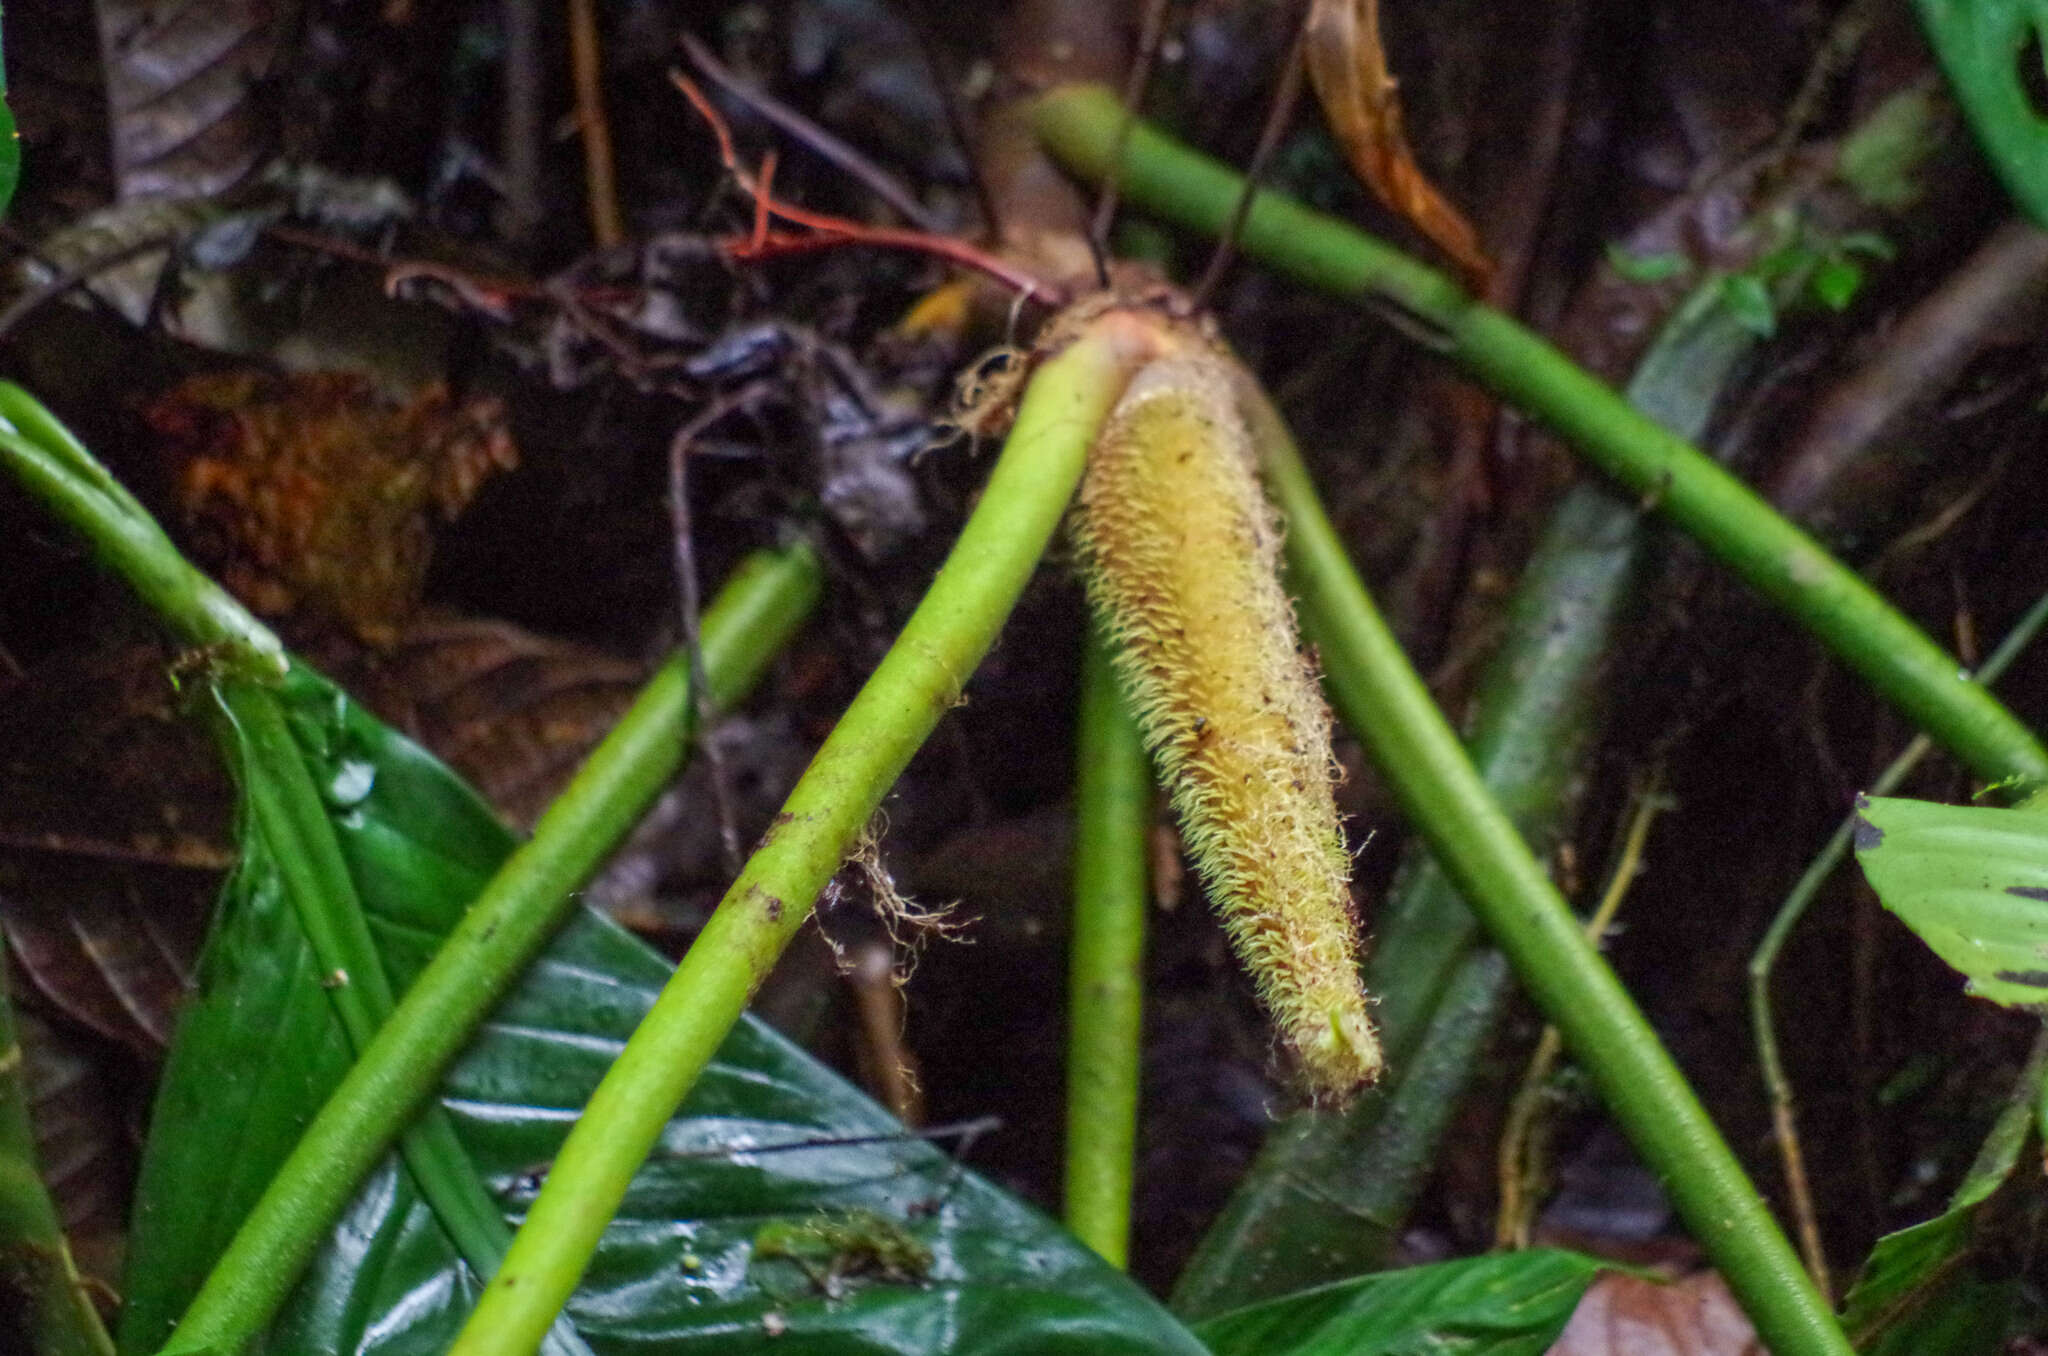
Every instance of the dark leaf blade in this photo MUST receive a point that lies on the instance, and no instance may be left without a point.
(1971, 882)
(1917, 1293)
(254, 1052)
(182, 92)
(1510, 1304)
(10, 151)
(1984, 46)
(677, 1271)
(1920, 1289)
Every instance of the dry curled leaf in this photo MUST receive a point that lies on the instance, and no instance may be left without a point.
(1631, 1316)
(1360, 97)
(184, 89)
(312, 490)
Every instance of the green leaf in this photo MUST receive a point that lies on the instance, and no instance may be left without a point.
(1646, 268)
(1748, 299)
(1920, 1290)
(1992, 51)
(1971, 882)
(1509, 1304)
(1836, 282)
(1886, 160)
(10, 145)
(259, 1048)
(1869, 244)
(1912, 1295)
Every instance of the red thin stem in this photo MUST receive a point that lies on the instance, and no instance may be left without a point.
(834, 232)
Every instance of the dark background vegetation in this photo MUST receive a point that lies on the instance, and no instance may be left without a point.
(1560, 127)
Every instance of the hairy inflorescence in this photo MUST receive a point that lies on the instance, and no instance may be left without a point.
(1180, 552)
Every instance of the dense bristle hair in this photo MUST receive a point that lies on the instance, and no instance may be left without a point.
(1181, 555)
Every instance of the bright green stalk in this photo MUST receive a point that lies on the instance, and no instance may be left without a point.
(919, 680)
(281, 803)
(1080, 125)
(753, 617)
(382, 1097)
(42, 455)
(36, 1270)
(1328, 1193)
(284, 810)
(1382, 699)
(1105, 979)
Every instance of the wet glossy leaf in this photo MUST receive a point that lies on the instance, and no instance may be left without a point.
(1512, 1304)
(1971, 882)
(1993, 53)
(679, 1269)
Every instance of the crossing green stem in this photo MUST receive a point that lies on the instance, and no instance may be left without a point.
(918, 681)
(1080, 124)
(1380, 696)
(752, 618)
(1105, 979)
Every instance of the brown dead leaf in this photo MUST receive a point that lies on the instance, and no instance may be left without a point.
(1360, 97)
(109, 946)
(86, 1105)
(1630, 1316)
(185, 91)
(312, 490)
(96, 763)
(513, 712)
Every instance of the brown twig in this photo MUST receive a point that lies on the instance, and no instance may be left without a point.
(1277, 117)
(1149, 36)
(600, 174)
(1517, 1137)
(1799, 1187)
(891, 1066)
(689, 596)
(941, 74)
(844, 157)
(519, 133)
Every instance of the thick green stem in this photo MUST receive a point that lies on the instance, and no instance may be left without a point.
(36, 1270)
(44, 458)
(1330, 1191)
(1080, 125)
(383, 1097)
(285, 812)
(1382, 699)
(1105, 979)
(919, 680)
(753, 617)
